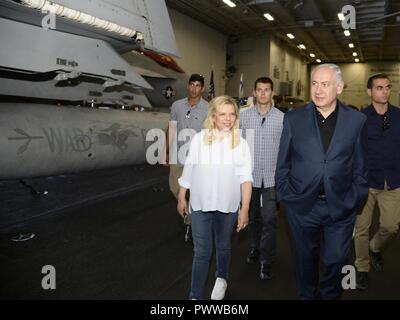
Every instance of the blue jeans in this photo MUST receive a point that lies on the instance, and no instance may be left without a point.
(205, 227)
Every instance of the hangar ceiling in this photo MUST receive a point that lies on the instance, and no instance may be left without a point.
(314, 23)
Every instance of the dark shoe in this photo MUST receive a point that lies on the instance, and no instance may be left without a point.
(188, 234)
(376, 260)
(253, 256)
(361, 280)
(265, 271)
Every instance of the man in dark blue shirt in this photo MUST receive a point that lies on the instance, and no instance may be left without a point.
(383, 122)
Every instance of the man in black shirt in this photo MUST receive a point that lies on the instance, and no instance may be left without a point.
(321, 179)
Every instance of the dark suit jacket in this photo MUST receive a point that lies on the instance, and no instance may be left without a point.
(303, 166)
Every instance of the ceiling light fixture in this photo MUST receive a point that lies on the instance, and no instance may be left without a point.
(269, 17)
(318, 60)
(229, 3)
(351, 45)
(290, 36)
(347, 33)
(312, 55)
(302, 46)
(341, 16)
(355, 54)
(357, 60)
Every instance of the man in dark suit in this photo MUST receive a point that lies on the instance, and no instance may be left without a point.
(321, 178)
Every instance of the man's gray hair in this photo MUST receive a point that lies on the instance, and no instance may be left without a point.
(330, 66)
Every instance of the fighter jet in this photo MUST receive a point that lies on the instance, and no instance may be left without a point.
(60, 61)
(168, 80)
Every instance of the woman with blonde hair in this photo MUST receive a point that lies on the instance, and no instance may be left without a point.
(218, 174)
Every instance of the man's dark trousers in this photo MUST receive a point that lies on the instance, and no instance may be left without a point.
(263, 223)
(333, 248)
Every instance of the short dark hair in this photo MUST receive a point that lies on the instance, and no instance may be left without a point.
(264, 80)
(197, 77)
(376, 76)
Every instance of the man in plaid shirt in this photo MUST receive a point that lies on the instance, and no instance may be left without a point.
(262, 125)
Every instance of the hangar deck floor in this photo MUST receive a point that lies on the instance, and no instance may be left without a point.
(115, 234)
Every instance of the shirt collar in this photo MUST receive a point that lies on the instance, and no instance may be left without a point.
(333, 113)
(195, 106)
(373, 111)
(266, 114)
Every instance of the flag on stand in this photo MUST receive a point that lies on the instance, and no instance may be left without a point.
(211, 88)
(241, 84)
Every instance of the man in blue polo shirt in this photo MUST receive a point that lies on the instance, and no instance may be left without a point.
(384, 179)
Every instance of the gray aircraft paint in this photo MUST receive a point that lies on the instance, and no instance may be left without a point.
(120, 95)
(167, 85)
(66, 54)
(55, 64)
(150, 17)
(76, 139)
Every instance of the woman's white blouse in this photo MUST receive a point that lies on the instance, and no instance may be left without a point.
(214, 173)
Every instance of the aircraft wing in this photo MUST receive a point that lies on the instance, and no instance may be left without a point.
(124, 24)
(77, 41)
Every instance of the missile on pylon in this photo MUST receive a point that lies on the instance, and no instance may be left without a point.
(44, 140)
